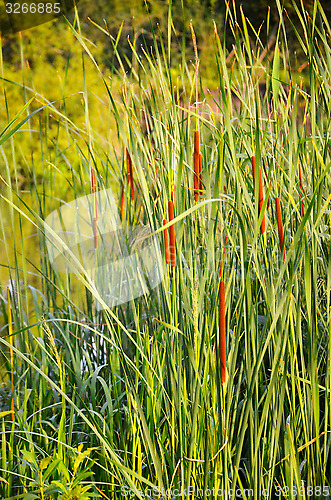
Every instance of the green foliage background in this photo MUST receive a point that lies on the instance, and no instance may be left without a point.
(37, 59)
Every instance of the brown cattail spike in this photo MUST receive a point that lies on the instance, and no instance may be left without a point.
(222, 332)
(301, 191)
(166, 242)
(196, 164)
(253, 168)
(172, 234)
(130, 173)
(302, 207)
(280, 226)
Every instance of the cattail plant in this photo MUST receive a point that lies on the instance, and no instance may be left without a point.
(122, 203)
(172, 234)
(130, 173)
(301, 191)
(166, 242)
(200, 173)
(260, 193)
(223, 257)
(196, 164)
(280, 226)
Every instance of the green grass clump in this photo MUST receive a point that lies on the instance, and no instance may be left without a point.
(130, 400)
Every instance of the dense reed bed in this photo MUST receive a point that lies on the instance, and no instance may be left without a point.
(220, 378)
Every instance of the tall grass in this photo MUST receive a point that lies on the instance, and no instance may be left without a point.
(134, 399)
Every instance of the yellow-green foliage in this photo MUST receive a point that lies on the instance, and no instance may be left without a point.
(48, 62)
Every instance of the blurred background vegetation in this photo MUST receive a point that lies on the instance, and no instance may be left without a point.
(46, 61)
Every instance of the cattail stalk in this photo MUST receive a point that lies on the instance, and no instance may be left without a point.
(222, 332)
(130, 173)
(280, 226)
(172, 234)
(260, 193)
(200, 174)
(196, 164)
(166, 242)
(301, 191)
(223, 257)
